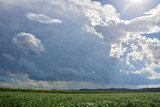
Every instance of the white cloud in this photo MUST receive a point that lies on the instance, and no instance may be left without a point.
(28, 43)
(117, 50)
(139, 50)
(42, 18)
(91, 30)
(126, 42)
(149, 23)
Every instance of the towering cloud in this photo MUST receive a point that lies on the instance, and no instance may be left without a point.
(127, 43)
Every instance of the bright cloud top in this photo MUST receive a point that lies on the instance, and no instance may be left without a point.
(42, 18)
(149, 23)
(136, 49)
(128, 44)
(28, 43)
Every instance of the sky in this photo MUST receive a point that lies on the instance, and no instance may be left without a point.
(76, 44)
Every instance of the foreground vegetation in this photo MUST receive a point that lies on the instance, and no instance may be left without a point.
(108, 99)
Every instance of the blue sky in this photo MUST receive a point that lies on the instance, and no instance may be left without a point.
(73, 44)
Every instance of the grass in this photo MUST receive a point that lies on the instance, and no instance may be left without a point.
(35, 99)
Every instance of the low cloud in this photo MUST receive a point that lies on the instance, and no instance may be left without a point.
(28, 43)
(42, 18)
(23, 66)
(23, 81)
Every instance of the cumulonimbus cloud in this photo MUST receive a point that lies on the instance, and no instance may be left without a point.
(42, 18)
(72, 53)
(28, 43)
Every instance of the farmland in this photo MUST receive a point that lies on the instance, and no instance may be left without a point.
(104, 99)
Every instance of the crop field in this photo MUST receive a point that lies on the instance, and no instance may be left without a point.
(33, 99)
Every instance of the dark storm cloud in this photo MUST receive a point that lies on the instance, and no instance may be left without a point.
(70, 53)
(2, 80)
(13, 66)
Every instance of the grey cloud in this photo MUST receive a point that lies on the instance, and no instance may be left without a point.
(70, 74)
(23, 66)
(9, 57)
(23, 81)
(1, 80)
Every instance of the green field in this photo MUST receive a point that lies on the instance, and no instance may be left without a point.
(35, 99)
